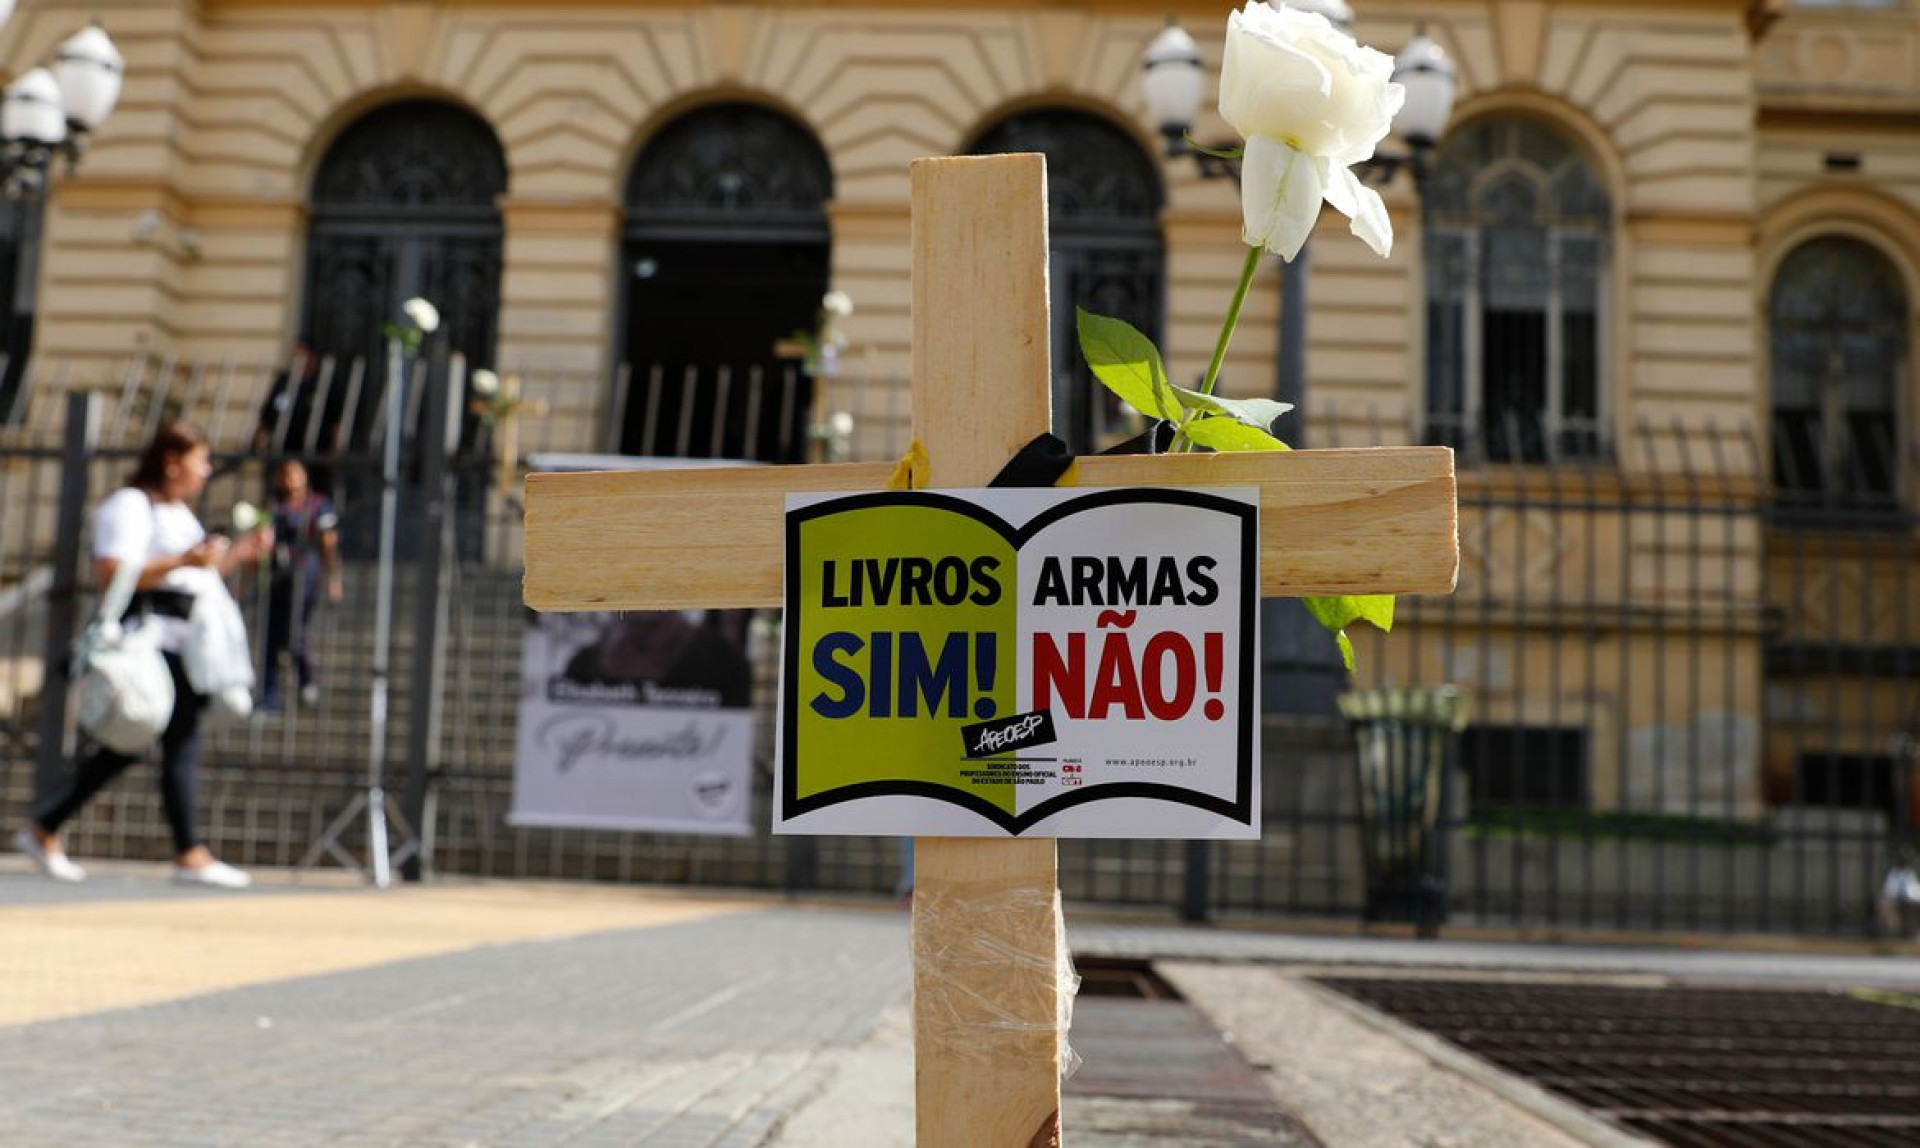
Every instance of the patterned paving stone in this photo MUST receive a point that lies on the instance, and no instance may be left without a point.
(698, 1034)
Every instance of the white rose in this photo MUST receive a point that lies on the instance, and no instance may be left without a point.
(837, 304)
(245, 517)
(1310, 101)
(484, 383)
(424, 314)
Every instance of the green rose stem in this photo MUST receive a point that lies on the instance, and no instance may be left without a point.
(1247, 269)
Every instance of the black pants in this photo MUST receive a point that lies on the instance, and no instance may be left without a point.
(290, 606)
(179, 769)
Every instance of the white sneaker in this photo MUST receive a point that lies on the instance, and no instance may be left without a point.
(52, 862)
(214, 874)
(310, 695)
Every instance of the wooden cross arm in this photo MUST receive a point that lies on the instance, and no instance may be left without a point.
(1372, 521)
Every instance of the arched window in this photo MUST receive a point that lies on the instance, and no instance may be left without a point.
(1837, 334)
(1516, 262)
(405, 205)
(727, 254)
(1103, 211)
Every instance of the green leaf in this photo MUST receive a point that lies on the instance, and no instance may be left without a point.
(1254, 412)
(1337, 612)
(1230, 434)
(1127, 363)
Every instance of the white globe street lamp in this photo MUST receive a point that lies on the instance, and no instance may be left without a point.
(1174, 79)
(1429, 77)
(31, 113)
(90, 70)
(51, 110)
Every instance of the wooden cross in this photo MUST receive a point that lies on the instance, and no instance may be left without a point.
(1331, 521)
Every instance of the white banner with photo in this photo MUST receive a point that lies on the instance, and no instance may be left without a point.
(636, 721)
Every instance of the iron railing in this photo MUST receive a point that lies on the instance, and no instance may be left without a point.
(1687, 693)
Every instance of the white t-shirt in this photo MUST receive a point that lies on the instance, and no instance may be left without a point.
(130, 527)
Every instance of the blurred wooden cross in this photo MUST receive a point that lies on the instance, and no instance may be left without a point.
(1331, 522)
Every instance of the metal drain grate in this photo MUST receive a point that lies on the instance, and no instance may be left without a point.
(1129, 977)
(1157, 1072)
(1727, 1068)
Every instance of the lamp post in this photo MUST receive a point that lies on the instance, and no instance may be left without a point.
(1302, 674)
(51, 110)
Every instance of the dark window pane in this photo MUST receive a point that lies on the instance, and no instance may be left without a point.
(1797, 455)
(1846, 781)
(1540, 145)
(1513, 383)
(1580, 435)
(1532, 767)
(1871, 462)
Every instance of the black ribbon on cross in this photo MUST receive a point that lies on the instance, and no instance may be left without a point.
(1045, 458)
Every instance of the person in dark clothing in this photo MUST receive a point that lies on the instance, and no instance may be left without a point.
(302, 412)
(288, 408)
(306, 550)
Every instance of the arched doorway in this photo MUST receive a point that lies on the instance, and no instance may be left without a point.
(405, 205)
(1837, 337)
(726, 254)
(1103, 212)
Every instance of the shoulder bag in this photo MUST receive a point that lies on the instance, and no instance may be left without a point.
(123, 691)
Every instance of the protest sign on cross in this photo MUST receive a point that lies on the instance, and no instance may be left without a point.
(988, 1042)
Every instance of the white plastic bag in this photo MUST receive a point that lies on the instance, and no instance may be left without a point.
(124, 691)
(217, 659)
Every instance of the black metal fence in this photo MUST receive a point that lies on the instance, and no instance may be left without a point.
(1688, 699)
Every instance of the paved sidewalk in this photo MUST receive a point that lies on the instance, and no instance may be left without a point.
(515, 1015)
(708, 1026)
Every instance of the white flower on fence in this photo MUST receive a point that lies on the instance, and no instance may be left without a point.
(423, 314)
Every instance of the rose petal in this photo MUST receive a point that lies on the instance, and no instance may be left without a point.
(1280, 193)
(1362, 205)
(1293, 76)
(1268, 85)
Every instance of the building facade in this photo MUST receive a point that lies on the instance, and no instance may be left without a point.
(1659, 241)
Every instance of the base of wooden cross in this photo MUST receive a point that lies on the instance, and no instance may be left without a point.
(988, 958)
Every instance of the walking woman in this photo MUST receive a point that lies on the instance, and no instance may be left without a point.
(151, 521)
